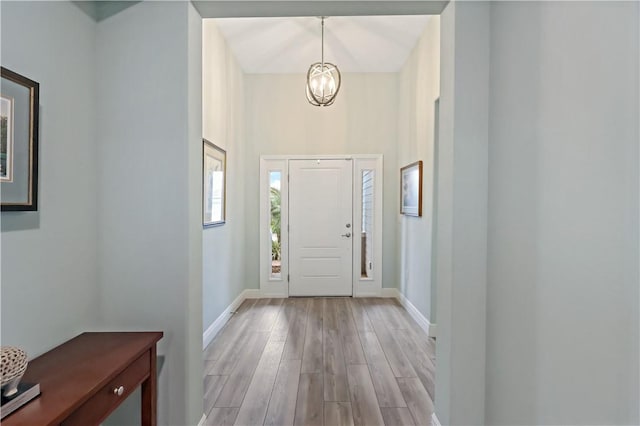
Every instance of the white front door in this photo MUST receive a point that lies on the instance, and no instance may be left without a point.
(320, 227)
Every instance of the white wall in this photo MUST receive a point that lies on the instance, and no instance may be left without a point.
(362, 121)
(149, 146)
(562, 321)
(418, 89)
(224, 253)
(49, 257)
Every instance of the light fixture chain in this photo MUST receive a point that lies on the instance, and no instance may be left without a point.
(322, 48)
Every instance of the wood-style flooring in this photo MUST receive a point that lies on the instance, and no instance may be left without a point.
(320, 361)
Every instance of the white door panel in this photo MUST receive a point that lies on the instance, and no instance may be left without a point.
(320, 233)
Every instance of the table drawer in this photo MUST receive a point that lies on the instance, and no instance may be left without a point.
(96, 409)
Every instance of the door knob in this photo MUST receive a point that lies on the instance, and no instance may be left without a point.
(348, 234)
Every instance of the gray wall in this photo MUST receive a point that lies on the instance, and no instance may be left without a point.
(462, 213)
(49, 259)
(224, 247)
(193, 396)
(560, 255)
(149, 151)
(562, 321)
(418, 88)
(116, 243)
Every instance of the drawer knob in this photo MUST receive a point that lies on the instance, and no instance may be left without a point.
(118, 391)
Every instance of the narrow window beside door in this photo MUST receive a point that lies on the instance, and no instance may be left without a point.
(366, 257)
(276, 234)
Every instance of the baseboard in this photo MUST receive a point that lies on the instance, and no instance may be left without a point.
(204, 419)
(434, 420)
(211, 332)
(422, 321)
(433, 332)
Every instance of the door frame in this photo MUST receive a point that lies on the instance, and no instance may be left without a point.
(279, 286)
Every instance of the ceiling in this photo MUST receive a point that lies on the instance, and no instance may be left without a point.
(291, 44)
(249, 8)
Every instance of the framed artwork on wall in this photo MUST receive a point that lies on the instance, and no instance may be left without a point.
(19, 104)
(411, 189)
(214, 182)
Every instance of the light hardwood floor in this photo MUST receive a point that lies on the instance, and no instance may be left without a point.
(320, 361)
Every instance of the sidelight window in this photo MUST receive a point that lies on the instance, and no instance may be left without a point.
(366, 240)
(275, 203)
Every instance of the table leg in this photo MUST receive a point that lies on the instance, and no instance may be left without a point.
(150, 393)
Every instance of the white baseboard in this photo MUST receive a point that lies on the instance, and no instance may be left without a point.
(433, 330)
(204, 419)
(216, 326)
(434, 420)
(422, 321)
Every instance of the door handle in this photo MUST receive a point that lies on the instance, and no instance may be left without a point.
(348, 234)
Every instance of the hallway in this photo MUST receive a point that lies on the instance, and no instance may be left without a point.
(320, 361)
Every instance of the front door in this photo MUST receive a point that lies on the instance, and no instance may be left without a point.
(320, 227)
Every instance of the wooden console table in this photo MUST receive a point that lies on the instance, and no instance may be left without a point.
(83, 380)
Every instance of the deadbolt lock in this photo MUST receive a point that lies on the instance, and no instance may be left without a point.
(348, 225)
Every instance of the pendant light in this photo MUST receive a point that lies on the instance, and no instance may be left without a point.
(323, 80)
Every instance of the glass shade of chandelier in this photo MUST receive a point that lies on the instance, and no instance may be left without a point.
(323, 80)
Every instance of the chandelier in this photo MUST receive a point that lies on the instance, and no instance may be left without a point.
(323, 80)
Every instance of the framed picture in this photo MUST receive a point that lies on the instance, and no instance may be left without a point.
(411, 189)
(214, 182)
(19, 104)
(6, 139)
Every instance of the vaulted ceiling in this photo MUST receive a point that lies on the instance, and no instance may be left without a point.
(291, 44)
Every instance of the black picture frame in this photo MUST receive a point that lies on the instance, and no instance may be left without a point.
(214, 184)
(20, 188)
